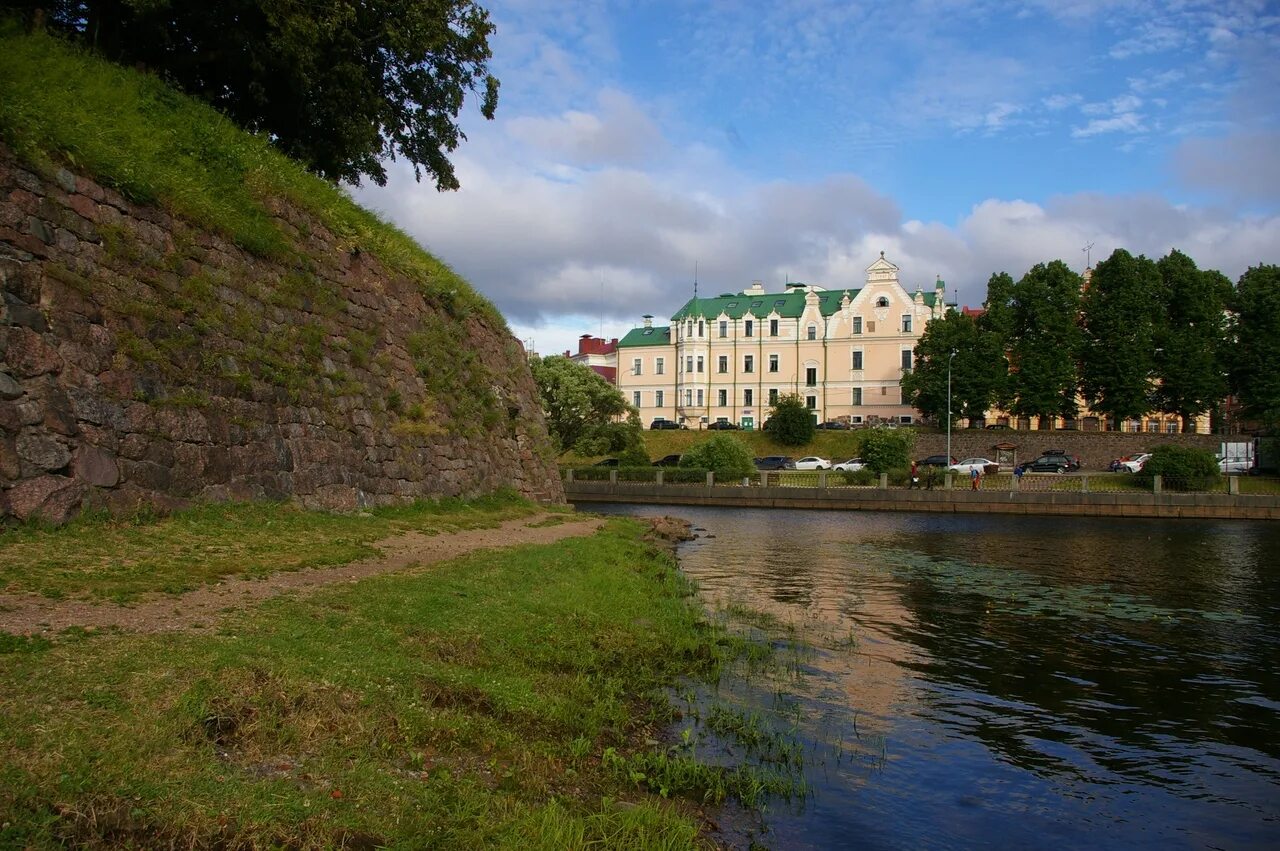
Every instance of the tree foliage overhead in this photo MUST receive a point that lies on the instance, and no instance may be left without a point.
(1255, 362)
(581, 407)
(1119, 312)
(790, 422)
(337, 84)
(977, 371)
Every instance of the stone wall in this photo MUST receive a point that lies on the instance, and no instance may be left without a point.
(146, 362)
(1095, 449)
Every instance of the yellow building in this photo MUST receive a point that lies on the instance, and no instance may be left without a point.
(727, 358)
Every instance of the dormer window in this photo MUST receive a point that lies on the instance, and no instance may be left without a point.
(812, 331)
(883, 301)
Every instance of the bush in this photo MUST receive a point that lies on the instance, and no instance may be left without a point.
(1182, 468)
(634, 456)
(885, 449)
(790, 422)
(727, 456)
(861, 477)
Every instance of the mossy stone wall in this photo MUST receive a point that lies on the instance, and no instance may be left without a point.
(146, 362)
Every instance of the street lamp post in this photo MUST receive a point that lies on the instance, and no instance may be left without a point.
(949, 359)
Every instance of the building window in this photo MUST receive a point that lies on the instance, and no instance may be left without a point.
(746, 397)
(749, 363)
(658, 365)
(857, 324)
(688, 331)
(700, 327)
(773, 327)
(882, 302)
(906, 323)
(699, 398)
(722, 365)
(811, 376)
(812, 331)
(906, 359)
(811, 402)
(857, 396)
(1171, 427)
(773, 395)
(773, 363)
(724, 328)
(688, 398)
(722, 397)
(688, 363)
(635, 398)
(857, 358)
(657, 398)
(748, 328)
(700, 369)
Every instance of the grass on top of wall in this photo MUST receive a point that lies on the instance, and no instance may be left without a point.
(132, 132)
(832, 445)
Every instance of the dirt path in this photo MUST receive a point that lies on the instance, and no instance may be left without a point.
(29, 614)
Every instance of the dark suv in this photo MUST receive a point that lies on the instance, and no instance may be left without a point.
(722, 425)
(776, 462)
(668, 461)
(661, 424)
(1052, 464)
(1072, 461)
(936, 461)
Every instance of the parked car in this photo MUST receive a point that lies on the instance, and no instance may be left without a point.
(1235, 464)
(813, 462)
(664, 424)
(853, 465)
(1135, 463)
(668, 461)
(968, 465)
(722, 425)
(937, 461)
(607, 462)
(775, 462)
(1049, 464)
(1073, 461)
(833, 425)
(1117, 465)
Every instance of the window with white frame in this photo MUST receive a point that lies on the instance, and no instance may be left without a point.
(857, 358)
(906, 323)
(746, 397)
(688, 363)
(748, 328)
(635, 398)
(724, 328)
(635, 366)
(773, 363)
(811, 376)
(857, 396)
(700, 369)
(857, 324)
(688, 398)
(882, 302)
(658, 366)
(657, 398)
(906, 359)
(748, 363)
(701, 327)
(722, 397)
(700, 397)
(722, 364)
(773, 395)
(811, 402)
(773, 327)
(812, 331)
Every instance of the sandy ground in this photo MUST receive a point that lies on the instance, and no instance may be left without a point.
(202, 608)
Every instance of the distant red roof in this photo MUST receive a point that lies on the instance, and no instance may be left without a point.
(609, 373)
(973, 312)
(588, 345)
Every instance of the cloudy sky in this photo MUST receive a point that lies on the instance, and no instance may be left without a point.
(639, 140)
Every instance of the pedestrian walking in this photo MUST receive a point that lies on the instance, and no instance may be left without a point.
(915, 477)
(973, 476)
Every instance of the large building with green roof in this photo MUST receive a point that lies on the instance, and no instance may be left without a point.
(726, 358)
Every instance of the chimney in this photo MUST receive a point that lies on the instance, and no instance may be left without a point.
(648, 320)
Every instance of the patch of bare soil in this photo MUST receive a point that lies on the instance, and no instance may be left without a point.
(200, 610)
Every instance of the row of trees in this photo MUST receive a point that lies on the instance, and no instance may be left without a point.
(1141, 335)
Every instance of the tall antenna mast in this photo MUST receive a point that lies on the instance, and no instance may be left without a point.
(602, 305)
(1088, 255)
(695, 281)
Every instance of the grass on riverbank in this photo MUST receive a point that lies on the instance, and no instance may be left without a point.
(102, 557)
(469, 705)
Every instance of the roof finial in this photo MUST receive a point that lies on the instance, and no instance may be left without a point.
(882, 254)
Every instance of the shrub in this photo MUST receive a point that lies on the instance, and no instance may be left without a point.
(1181, 468)
(790, 422)
(634, 456)
(726, 455)
(885, 449)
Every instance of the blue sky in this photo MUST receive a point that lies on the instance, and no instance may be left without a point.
(796, 140)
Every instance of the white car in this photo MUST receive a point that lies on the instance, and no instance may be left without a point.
(853, 465)
(1134, 464)
(813, 462)
(1234, 464)
(968, 465)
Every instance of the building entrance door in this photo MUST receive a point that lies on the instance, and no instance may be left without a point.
(748, 423)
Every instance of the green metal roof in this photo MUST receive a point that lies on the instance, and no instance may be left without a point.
(660, 336)
(789, 305)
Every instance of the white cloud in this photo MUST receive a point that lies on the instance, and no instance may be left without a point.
(620, 133)
(1128, 122)
(1056, 103)
(1243, 165)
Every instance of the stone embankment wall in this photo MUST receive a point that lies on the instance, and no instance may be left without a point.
(146, 362)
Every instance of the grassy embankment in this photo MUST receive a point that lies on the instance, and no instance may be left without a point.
(506, 699)
(835, 445)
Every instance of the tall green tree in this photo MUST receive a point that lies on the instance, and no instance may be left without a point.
(1190, 341)
(1119, 312)
(580, 405)
(339, 85)
(1044, 341)
(790, 422)
(1255, 362)
(997, 320)
(978, 369)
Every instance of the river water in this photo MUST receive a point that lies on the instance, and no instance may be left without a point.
(1008, 682)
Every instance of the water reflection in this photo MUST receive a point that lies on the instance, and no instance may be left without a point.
(1019, 682)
